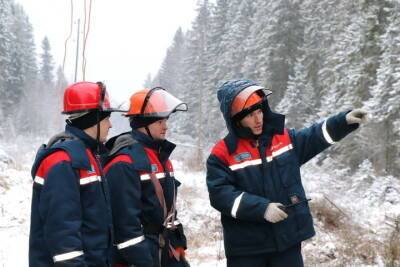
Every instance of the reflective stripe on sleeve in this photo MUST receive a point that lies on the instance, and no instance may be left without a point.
(67, 256)
(327, 137)
(90, 179)
(130, 242)
(39, 180)
(236, 204)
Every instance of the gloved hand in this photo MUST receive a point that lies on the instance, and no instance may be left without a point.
(356, 116)
(274, 214)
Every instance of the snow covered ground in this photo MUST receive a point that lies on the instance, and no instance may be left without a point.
(352, 213)
(15, 201)
(353, 216)
(358, 215)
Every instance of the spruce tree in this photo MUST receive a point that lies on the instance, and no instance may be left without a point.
(195, 66)
(23, 68)
(386, 97)
(46, 63)
(6, 39)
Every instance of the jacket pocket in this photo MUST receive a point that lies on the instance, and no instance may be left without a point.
(244, 234)
(303, 217)
(288, 168)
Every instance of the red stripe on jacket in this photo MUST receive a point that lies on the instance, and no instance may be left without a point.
(50, 161)
(119, 158)
(244, 146)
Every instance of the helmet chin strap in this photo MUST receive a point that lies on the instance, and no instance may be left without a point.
(148, 132)
(98, 132)
(101, 102)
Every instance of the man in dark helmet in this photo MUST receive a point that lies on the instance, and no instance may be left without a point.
(71, 221)
(253, 176)
(143, 186)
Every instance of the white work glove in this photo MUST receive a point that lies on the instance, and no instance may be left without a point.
(274, 214)
(356, 116)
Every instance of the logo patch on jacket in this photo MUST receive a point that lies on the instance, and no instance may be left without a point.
(242, 156)
(294, 199)
(154, 168)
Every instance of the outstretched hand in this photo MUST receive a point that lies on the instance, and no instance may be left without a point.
(356, 116)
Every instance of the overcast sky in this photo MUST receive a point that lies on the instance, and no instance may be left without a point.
(127, 38)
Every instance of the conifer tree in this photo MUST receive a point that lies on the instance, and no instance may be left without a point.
(386, 96)
(195, 66)
(46, 63)
(23, 68)
(169, 75)
(6, 39)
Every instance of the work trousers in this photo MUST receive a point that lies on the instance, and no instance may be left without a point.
(288, 258)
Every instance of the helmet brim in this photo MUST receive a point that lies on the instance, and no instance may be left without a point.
(162, 114)
(259, 105)
(158, 103)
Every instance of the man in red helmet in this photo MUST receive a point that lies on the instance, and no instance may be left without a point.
(253, 176)
(143, 186)
(71, 221)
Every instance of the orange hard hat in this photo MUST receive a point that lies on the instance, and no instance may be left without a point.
(248, 97)
(155, 102)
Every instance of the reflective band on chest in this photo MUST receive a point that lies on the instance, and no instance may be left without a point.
(280, 145)
(159, 175)
(157, 168)
(85, 176)
(93, 174)
(90, 179)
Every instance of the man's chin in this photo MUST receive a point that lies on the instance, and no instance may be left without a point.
(257, 131)
(161, 137)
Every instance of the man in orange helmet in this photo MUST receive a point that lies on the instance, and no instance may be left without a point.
(143, 186)
(253, 176)
(71, 221)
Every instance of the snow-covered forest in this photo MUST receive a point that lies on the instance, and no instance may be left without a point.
(318, 58)
(30, 85)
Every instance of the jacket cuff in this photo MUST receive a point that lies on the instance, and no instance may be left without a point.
(337, 127)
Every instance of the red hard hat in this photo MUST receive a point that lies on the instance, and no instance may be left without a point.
(86, 96)
(248, 97)
(154, 102)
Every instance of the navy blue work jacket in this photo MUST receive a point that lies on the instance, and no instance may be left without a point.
(244, 180)
(71, 221)
(245, 173)
(137, 213)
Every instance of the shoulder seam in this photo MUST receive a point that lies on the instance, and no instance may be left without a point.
(121, 158)
(220, 150)
(50, 161)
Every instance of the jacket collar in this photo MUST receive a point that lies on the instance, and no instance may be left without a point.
(86, 139)
(163, 147)
(274, 123)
